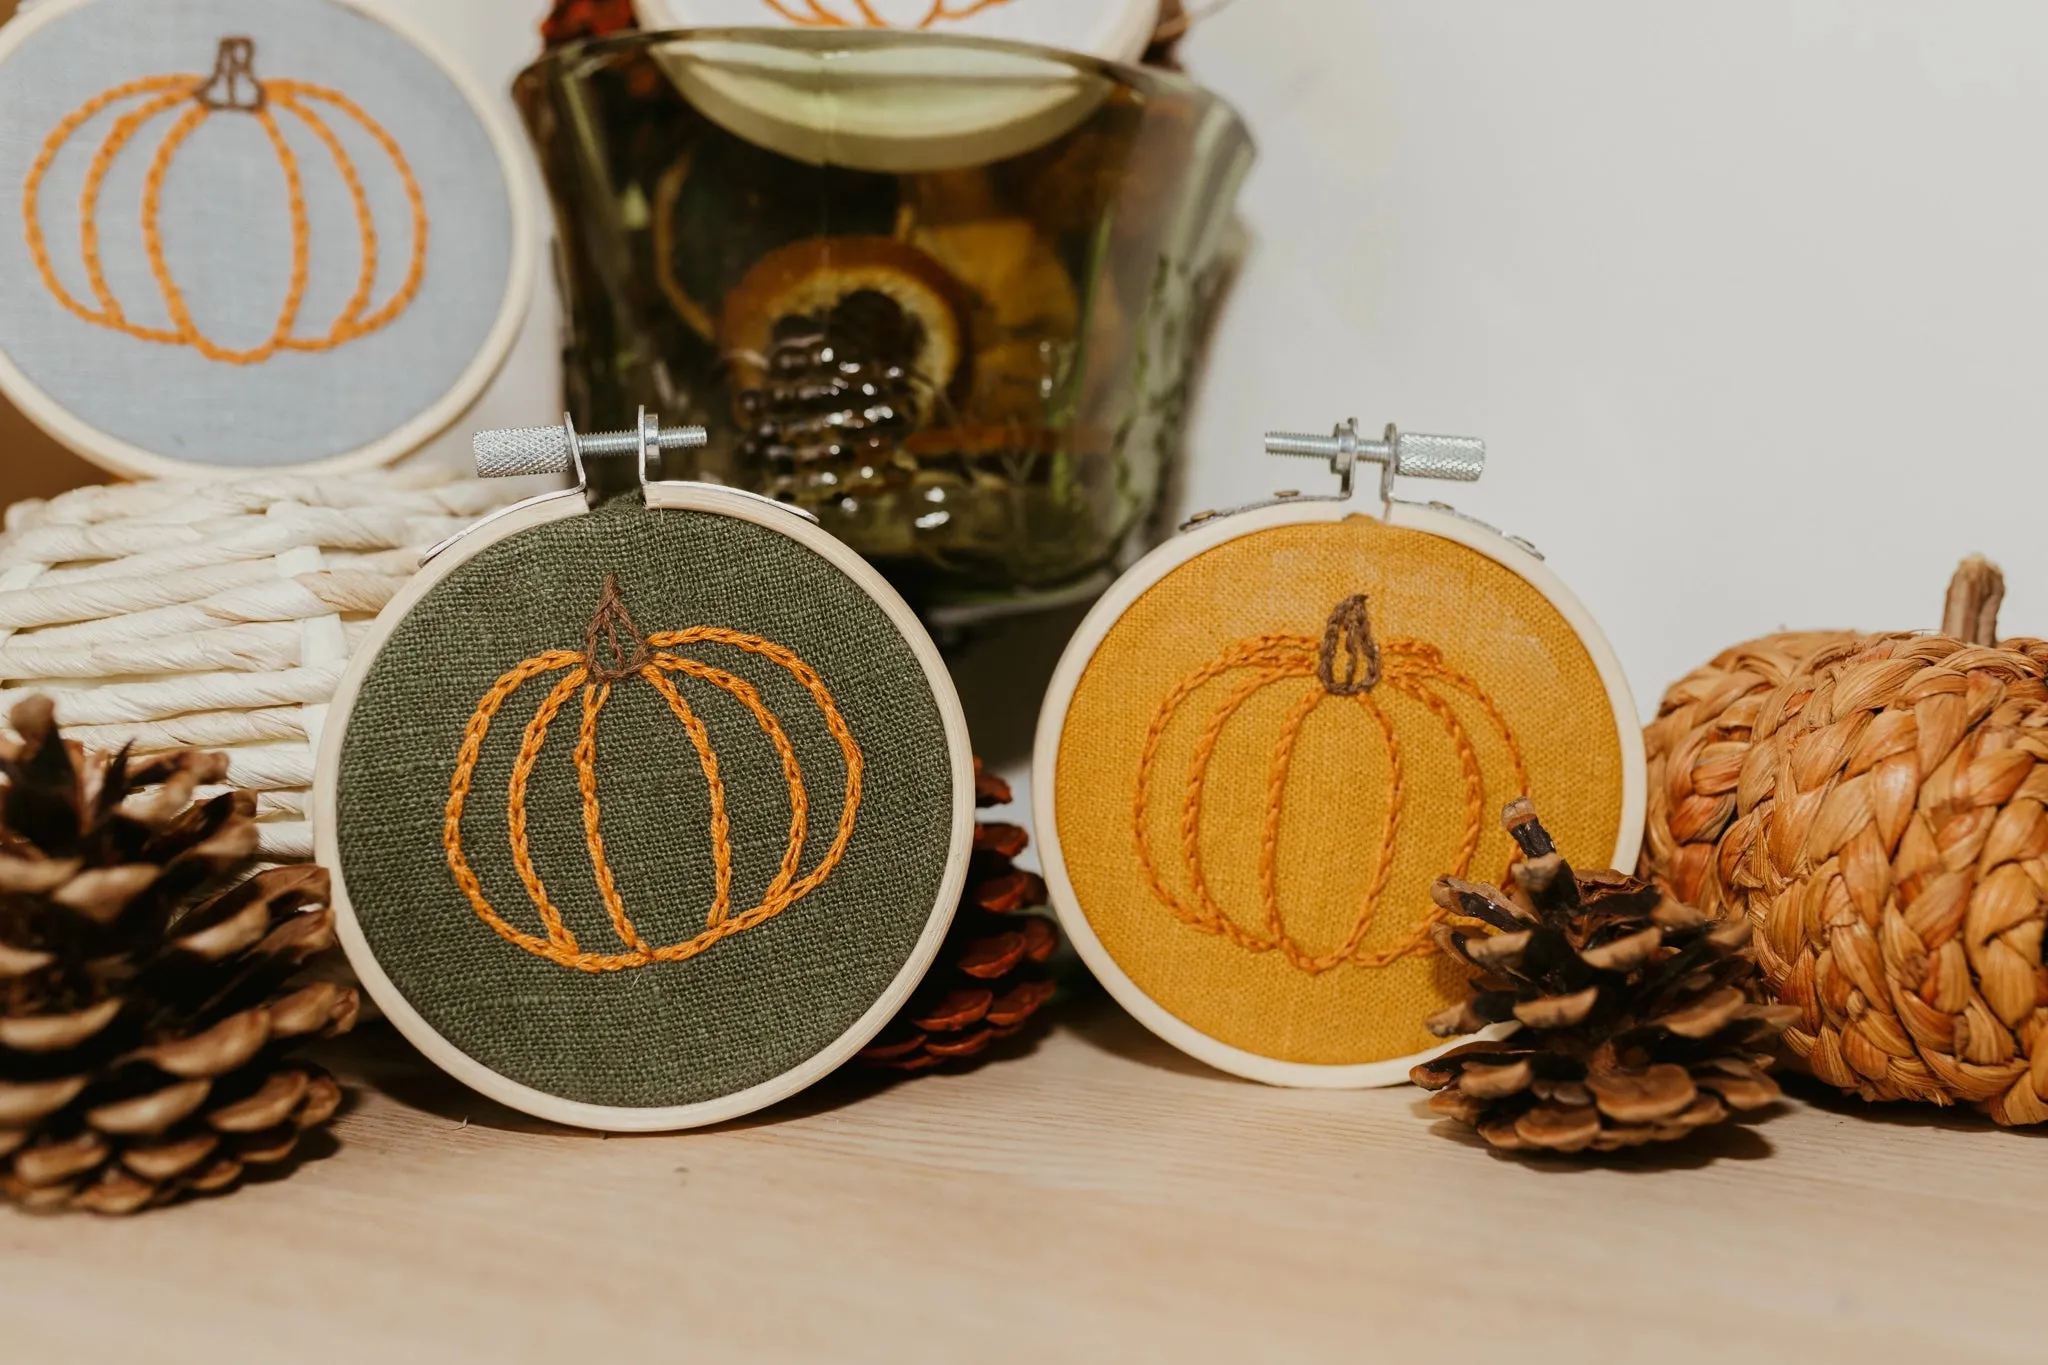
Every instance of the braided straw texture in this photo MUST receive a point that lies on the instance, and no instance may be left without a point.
(217, 614)
(1875, 804)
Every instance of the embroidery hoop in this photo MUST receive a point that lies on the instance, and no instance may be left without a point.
(132, 461)
(1119, 29)
(439, 564)
(1199, 538)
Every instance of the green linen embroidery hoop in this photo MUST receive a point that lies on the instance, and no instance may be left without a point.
(537, 451)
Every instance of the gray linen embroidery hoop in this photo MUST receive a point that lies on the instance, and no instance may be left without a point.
(128, 460)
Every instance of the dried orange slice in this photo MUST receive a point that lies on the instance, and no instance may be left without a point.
(812, 278)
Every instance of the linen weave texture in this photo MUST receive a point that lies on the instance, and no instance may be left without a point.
(754, 1005)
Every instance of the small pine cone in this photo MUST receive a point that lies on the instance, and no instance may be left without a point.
(574, 20)
(838, 395)
(145, 1012)
(1636, 1022)
(989, 978)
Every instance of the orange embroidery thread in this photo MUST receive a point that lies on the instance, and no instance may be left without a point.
(1409, 667)
(819, 16)
(588, 673)
(232, 87)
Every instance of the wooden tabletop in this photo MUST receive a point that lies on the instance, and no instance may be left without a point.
(1096, 1198)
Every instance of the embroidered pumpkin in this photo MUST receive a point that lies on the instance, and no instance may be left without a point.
(233, 88)
(614, 652)
(1348, 664)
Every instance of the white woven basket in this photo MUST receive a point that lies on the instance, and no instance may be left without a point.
(215, 613)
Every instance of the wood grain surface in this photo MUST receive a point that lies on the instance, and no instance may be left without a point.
(1100, 1198)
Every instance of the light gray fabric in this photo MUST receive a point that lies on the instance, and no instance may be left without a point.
(227, 233)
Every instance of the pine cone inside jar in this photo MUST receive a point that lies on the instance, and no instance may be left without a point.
(839, 392)
(1634, 1022)
(146, 1011)
(838, 348)
(989, 979)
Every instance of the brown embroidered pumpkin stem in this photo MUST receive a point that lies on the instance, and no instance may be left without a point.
(611, 626)
(1349, 629)
(233, 84)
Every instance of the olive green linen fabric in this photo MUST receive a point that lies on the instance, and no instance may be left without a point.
(750, 1007)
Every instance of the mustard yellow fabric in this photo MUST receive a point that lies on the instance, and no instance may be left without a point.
(1490, 625)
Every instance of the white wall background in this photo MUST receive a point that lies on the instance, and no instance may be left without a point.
(1749, 299)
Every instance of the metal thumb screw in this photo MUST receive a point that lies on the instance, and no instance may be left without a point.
(1460, 458)
(554, 450)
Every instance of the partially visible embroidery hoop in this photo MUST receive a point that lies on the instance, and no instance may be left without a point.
(175, 453)
(452, 556)
(856, 99)
(1116, 30)
(1206, 534)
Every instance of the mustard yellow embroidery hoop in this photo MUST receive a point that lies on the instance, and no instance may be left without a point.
(1416, 456)
(533, 451)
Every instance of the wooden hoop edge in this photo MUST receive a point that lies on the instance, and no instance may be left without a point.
(1110, 609)
(611, 1118)
(1120, 42)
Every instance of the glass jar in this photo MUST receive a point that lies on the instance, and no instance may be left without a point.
(942, 292)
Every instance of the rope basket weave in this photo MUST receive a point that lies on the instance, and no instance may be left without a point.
(1878, 806)
(217, 614)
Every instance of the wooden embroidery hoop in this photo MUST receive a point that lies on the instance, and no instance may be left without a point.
(1117, 30)
(131, 461)
(661, 495)
(1200, 538)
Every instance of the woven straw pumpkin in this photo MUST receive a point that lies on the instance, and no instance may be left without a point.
(1878, 806)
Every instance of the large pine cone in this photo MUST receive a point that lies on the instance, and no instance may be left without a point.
(1634, 1023)
(1878, 806)
(989, 978)
(144, 1012)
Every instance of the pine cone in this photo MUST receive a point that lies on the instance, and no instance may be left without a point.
(839, 393)
(144, 1014)
(1636, 1026)
(573, 20)
(989, 978)
(838, 348)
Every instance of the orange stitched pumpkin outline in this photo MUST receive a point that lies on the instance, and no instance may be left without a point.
(1405, 665)
(612, 629)
(821, 17)
(232, 87)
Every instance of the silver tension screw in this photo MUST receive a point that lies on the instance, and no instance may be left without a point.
(1415, 456)
(554, 450)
